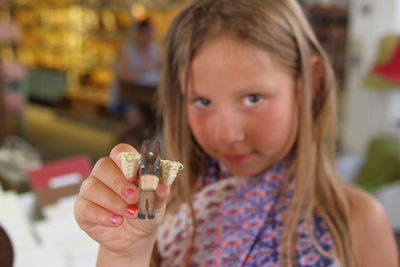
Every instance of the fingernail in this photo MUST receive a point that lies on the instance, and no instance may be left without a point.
(128, 192)
(115, 219)
(132, 209)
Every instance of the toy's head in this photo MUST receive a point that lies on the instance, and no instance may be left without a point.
(150, 163)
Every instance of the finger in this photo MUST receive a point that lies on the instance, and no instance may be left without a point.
(109, 174)
(89, 214)
(162, 195)
(95, 191)
(126, 166)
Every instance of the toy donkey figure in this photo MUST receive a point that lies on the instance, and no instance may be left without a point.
(152, 170)
(149, 177)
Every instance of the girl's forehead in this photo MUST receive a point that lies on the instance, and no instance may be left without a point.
(231, 50)
(227, 54)
(226, 41)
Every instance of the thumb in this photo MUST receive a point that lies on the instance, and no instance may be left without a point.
(162, 194)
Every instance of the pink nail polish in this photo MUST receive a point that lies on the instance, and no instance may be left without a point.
(115, 219)
(132, 209)
(128, 192)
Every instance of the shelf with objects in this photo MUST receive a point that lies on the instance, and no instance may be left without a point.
(330, 23)
(70, 47)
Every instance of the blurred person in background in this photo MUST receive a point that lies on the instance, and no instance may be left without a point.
(137, 64)
(13, 76)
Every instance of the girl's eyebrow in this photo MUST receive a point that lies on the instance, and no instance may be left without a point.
(249, 88)
(192, 95)
(191, 92)
(256, 89)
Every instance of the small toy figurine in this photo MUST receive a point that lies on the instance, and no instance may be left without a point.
(149, 176)
(152, 169)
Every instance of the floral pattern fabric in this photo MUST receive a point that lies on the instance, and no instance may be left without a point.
(239, 223)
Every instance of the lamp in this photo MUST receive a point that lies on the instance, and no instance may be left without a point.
(385, 76)
(385, 72)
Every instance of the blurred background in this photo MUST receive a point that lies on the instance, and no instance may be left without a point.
(79, 76)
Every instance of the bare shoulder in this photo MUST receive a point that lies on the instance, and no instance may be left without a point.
(364, 206)
(375, 239)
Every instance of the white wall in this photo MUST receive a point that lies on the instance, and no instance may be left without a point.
(397, 16)
(365, 111)
(325, 2)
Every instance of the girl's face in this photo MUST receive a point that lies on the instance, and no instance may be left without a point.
(242, 107)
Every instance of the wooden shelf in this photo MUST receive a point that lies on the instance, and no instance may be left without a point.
(330, 23)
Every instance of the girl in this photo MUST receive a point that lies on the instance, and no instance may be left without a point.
(248, 100)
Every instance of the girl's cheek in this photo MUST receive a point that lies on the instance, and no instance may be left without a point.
(199, 126)
(264, 125)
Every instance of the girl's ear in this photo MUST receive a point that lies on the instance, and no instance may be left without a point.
(317, 71)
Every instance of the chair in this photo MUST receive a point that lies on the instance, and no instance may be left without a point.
(144, 97)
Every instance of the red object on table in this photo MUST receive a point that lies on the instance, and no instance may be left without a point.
(58, 179)
(41, 177)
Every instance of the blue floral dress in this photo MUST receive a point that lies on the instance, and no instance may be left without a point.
(239, 223)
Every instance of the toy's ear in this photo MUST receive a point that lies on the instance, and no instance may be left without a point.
(157, 148)
(145, 148)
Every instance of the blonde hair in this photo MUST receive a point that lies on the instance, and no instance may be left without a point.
(280, 28)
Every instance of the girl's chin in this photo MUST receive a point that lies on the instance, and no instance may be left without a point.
(243, 172)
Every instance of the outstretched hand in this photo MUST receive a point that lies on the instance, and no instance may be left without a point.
(106, 206)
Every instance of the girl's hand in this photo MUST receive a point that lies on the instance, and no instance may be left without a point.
(106, 210)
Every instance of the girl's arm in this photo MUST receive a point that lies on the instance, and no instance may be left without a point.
(376, 245)
(105, 209)
(140, 257)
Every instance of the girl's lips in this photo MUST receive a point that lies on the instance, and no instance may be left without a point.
(237, 158)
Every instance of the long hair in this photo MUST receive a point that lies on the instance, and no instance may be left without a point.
(280, 28)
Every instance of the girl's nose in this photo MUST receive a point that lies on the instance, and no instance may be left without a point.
(229, 128)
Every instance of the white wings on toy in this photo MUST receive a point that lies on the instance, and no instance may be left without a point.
(130, 164)
(169, 171)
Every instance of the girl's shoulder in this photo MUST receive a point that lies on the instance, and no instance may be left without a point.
(374, 237)
(363, 205)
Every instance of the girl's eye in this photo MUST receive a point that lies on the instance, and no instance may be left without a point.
(252, 100)
(202, 102)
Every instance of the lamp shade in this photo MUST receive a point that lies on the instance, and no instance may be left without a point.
(385, 72)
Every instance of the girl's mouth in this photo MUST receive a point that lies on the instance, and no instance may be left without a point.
(238, 158)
